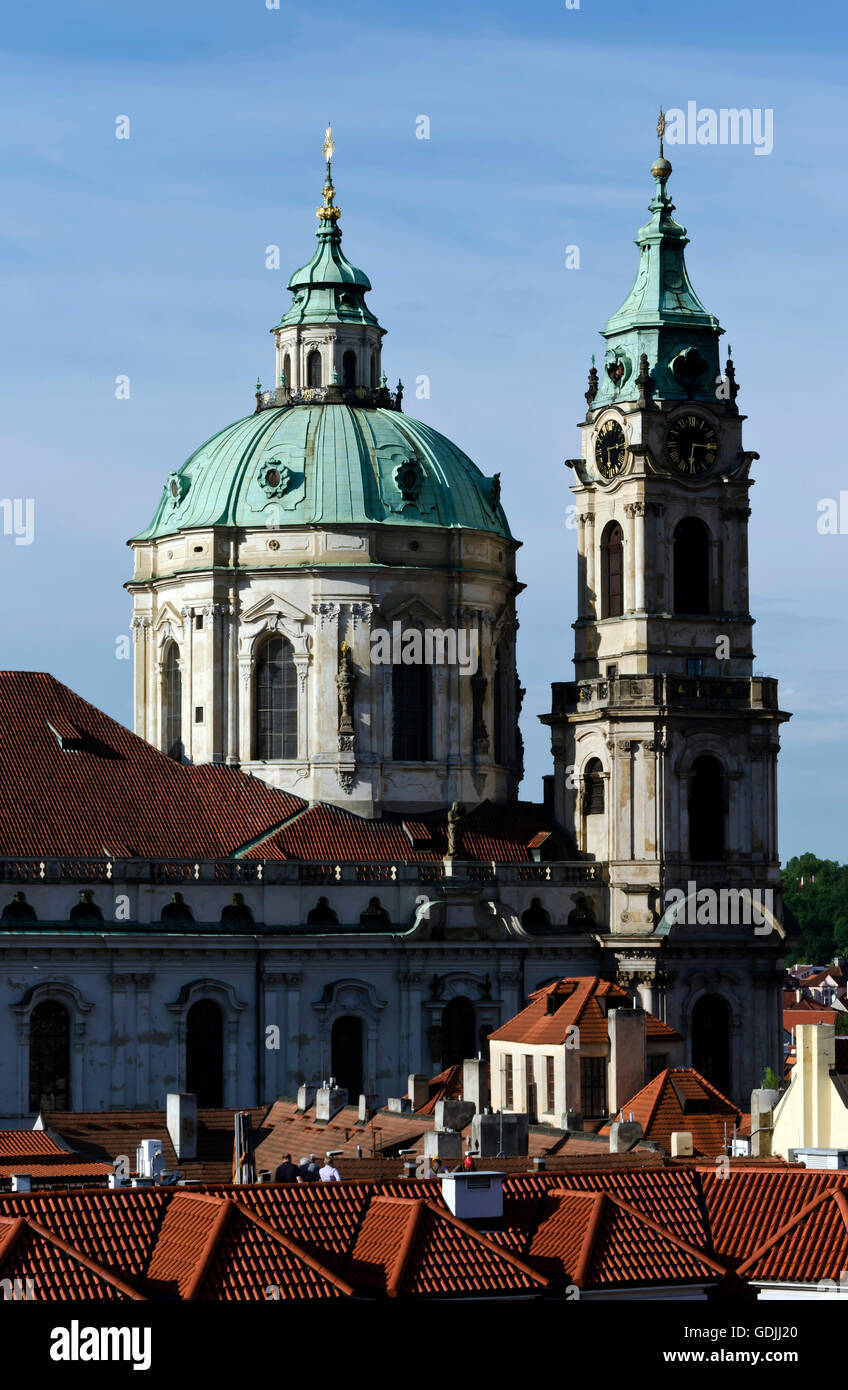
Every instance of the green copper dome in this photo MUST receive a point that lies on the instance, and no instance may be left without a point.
(662, 318)
(328, 464)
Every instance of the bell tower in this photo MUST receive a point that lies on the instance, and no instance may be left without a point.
(665, 743)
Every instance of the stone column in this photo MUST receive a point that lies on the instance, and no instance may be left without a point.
(637, 511)
(120, 1042)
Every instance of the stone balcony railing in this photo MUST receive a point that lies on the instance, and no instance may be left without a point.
(663, 691)
(361, 396)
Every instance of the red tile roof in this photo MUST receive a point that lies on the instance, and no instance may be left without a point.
(595, 1240)
(447, 1085)
(577, 1001)
(415, 1249)
(810, 1246)
(114, 796)
(680, 1099)
(490, 833)
(748, 1205)
(794, 1017)
(104, 1134)
(57, 1269)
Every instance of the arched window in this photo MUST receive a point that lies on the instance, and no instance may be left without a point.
(459, 1031)
(691, 566)
(287, 370)
(593, 788)
(313, 369)
(711, 1040)
(205, 1053)
(411, 713)
(49, 1057)
(346, 1054)
(706, 809)
(373, 371)
(612, 571)
(172, 712)
(349, 370)
(276, 701)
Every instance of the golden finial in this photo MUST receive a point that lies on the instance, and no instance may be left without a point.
(329, 212)
(661, 167)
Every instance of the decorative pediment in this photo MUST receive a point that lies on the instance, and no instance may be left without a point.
(414, 610)
(273, 604)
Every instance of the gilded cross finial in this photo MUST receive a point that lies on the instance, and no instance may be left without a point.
(329, 212)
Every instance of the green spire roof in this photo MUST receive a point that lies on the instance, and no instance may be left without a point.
(328, 289)
(661, 317)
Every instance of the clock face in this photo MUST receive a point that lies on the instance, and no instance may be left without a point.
(610, 449)
(692, 445)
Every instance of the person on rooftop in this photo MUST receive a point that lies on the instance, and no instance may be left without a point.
(329, 1173)
(468, 1162)
(303, 1173)
(286, 1172)
(314, 1169)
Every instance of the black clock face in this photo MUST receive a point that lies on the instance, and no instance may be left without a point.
(610, 449)
(692, 445)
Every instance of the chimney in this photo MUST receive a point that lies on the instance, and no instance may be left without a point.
(306, 1096)
(364, 1108)
(149, 1161)
(762, 1122)
(624, 1135)
(410, 1159)
(475, 1083)
(418, 1089)
(329, 1100)
(628, 1060)
(182, 1124)
(681, 1144)
(474, 1196)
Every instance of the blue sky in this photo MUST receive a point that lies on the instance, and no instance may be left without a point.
(146, 257)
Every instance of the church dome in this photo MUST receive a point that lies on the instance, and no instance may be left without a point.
(328, 464)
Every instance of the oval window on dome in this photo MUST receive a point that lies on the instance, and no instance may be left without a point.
(272, 477)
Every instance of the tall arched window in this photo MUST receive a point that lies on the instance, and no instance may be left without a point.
(706, 809)
(276, 701)
(691, 566)
(411, 713)
(172, 710)
(711, 1040)
(313, 369)
(49, 1057)
(593, 788)
(373, 371)
(346, 1054)
(287, 370)
(612, 571)
(459, 1031)
(205, 1053)
(349, 370)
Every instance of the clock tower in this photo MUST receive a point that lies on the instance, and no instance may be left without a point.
(665, 743)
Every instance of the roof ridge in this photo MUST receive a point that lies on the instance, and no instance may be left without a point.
(100, 1270)
(445, 1214)
(590, 1236)
(794, 1220)
(395, 1278)
(293, 1248)
(241, 850)
(10, 1239)
(666, 1233)
(212, 1240)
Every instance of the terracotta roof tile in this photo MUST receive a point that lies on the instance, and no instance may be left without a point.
(115, 795)
(577, 1003)
(414, 1249)
(116, 1228)
(595, 1240)
(57, 1269)
(751, 1203)
(679, 1098)
(490, 833)
(810, 1246)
